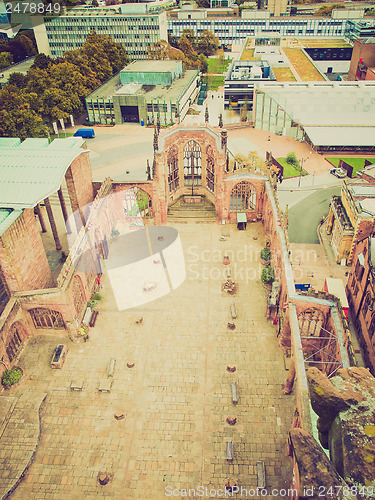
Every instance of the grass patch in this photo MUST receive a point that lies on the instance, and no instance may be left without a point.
(290, 170)
(248, 55)
(305, 69)
(320, 42)
(356, 163)
(217, 66)
(283, 75)
(214, 82)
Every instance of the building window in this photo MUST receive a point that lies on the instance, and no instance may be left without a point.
(210, 169)
(45, 318)
(17, 334)
(173, 180)
(243, 197)
(192, 164)
(78, 298)
(366, 303)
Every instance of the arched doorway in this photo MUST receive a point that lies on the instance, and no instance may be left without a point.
(243, 197)
(192, 164)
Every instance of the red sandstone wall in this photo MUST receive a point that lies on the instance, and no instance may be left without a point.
(79, 181)
(22, 256)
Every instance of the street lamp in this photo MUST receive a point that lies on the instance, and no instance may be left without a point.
(300, 172)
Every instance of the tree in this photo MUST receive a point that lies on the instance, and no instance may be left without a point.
(203, 4)
(159, 50)
(244, 111)
(326, 10)
(187, 48)
(42, 61)
(202, 59)
(19, 80)
(291, 158)
(6, 59)
(190, 35)
(208, 43)
(27, 45)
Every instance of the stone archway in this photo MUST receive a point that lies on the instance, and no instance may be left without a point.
(47, 318)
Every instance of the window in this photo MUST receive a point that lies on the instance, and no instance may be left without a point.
(45, 318)
(210, 169)
(243, 197)
(173, 180)
(17, 334)
(192, 164)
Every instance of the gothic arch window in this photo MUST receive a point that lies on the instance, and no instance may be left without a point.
(78, 295)
(210, 169)
(144, 202)
(46, 318)
(243, 197)
(173, 180)
(192, 164)
(310, 322)
(16, 335)
(366, 303)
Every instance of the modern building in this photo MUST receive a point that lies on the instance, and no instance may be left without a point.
(132, 25)
(240, 80)
(276, 7)
(360, 291)
(363, 58)
(231, 30)
(142, 91)
(360, 29)
(331, 116)
(351, 217)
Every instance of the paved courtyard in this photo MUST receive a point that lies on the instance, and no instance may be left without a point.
(176, 397)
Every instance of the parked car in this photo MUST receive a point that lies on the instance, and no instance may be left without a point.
(86, 133)
(338, 172)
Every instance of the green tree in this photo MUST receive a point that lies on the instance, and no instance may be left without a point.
(19, 80)
(203, 4)
(159, 50)
(208, 43)
(203, 63)
(27, 45)
(6, 59)
(190, 35)
(42, 61)
(187, 48)
(291, 158)
(326, 10)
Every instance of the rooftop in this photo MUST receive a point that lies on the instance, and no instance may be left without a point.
(33, 170)
(152, 92)
(151, 66)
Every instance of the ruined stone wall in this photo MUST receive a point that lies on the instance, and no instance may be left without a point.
(23, 259)
(79, 182)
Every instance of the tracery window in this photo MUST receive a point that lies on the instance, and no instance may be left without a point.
(46, 318)
(243, 197)
(15, 340)
(210, 169)
(173, 180)
(192, 164)
(310, 322)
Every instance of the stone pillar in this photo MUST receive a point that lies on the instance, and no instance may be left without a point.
(64, 211)
(224, 139)
(53, 224)
(41, 218)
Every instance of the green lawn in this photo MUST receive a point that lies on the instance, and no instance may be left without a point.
(356, 163)
(289, 170)
(217, 66)
(213, 82)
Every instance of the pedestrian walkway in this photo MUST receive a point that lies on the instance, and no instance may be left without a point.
(172, 384)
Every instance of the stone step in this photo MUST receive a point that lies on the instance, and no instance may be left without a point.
(203, 214)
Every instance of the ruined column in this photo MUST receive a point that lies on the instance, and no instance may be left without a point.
(64, 211)
(41, 219)
(290, 379)
(52, 224)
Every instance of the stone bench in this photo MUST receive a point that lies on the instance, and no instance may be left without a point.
(76, 385)
(233, 311)
(105, 385)
(229, 450)
(111, 367)
(234, 393)
(261, 475)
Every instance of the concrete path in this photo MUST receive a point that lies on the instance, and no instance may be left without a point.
(178, 394)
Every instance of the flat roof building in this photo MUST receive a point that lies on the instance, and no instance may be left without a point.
(134, 28)
(143, 90)
(332, 116)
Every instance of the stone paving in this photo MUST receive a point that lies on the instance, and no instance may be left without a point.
(178, 394)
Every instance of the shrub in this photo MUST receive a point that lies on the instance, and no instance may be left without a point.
(265, 254)
(11, 377)
(115, 232)
(267, 275)
(291, 158)
(97, 297)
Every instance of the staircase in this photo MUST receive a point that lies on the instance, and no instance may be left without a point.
(192, 212)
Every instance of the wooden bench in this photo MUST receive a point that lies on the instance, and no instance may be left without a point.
(234, 393)
(261, 475)
(233, 311)
(105, 385)
(76, 385)
(229, 450)
(93, 318)
(111, 367)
